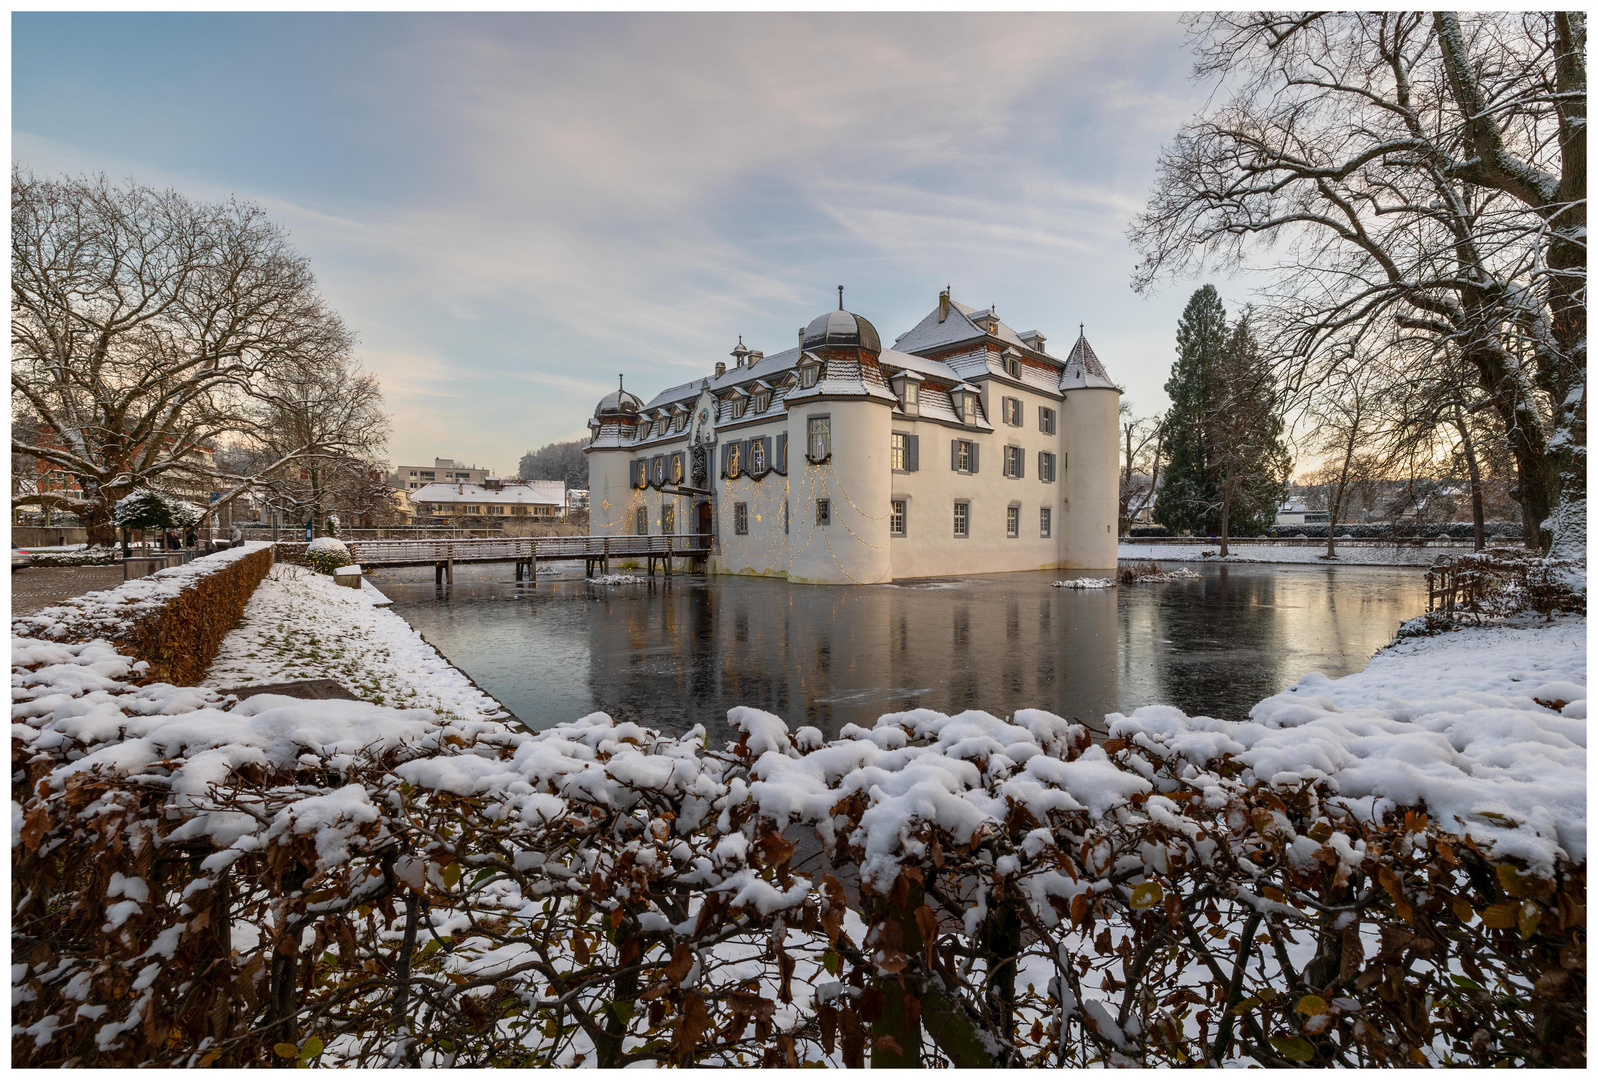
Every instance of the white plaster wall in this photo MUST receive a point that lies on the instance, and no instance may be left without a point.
(1090, 432)
(607, 483)
(854, 548)
(930, 548)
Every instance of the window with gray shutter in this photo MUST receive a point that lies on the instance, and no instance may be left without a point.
(641, 521)
(725, 447)
(976, 456)
(915, 453)
(1045, 466)
(740, 518)
(781, 465)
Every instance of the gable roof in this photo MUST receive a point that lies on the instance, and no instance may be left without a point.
(964, 323)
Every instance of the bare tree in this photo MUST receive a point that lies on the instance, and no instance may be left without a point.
(143, 325)
(1142, 440)
(1345, 417)
(315, 431)
(1423, 173)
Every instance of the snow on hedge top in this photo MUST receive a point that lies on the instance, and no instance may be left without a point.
(327, 543)
(1486, 728)
(107, 612)
(1482, 728)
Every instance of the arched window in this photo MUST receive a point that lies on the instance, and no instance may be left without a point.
(757, 457)
(732, 461)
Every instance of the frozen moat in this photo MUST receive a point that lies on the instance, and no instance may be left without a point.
(679, 653)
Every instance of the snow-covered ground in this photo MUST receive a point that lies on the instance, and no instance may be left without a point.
(1387, 555)
(1486, 727)
(300, 625)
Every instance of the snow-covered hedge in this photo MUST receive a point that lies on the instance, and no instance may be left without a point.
(326, 554)
(94, 556)
(173, 621)
(340, 883)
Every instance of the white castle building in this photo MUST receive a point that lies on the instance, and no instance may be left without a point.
(966, 448)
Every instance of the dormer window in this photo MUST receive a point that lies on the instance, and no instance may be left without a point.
(807, 376)
(965, 403)
(911, 392)
(660, 425)
(762, 401)
(738, 407)
(681, 422)
(1012, 366)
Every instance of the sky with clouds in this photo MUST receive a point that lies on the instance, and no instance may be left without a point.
(511, 209)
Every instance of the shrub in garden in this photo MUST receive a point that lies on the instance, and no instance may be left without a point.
(326, 554)
(337, 883)
(172, 621)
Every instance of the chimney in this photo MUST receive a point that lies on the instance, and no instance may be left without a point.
(721, 368)
(943, 305)
(755, 356)
(801, 339)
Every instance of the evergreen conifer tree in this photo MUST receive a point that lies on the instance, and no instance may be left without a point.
(1188, 492)
(1228, 467)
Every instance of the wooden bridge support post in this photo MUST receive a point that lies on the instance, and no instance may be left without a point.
(668, 556)
(532, 567)
(604, 556)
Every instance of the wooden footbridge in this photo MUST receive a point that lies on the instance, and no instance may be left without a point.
(526, 553)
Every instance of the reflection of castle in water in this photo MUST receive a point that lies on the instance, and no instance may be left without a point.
(829, 657)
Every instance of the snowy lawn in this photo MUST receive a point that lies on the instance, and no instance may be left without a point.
(1288, 553)
(300, 625)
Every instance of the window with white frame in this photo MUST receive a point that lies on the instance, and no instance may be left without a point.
(668, 519)
(968, 408)
(1045, 466)
(738, 406)
(819, 443)
(807, 375)
(660, 425)
(1045, 420)
(1012, 366)
(823, 511)
(1012, 411)
(962, 519)
(1014, 456)
(740, 518)
(910, 391)
(896, 518)
(1012, 522)
(641, 521)
(682, 422)
(900, 452)
(762, 401)
(964, 455)
(1045, 522)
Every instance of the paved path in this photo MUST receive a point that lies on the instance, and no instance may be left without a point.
(36, 587)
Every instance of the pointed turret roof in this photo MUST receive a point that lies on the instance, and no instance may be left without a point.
(1082, 367)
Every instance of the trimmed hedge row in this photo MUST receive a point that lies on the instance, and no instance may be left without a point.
(1406, 530)
(1455, 530)
(180, 639)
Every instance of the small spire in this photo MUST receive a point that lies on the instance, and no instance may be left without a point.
(619, 378)
(840, 297)
(1081, 330)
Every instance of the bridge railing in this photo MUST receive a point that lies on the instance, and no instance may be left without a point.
(379, 552)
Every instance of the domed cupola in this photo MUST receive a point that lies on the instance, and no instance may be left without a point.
(619, 400)
(843, 329)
